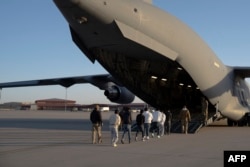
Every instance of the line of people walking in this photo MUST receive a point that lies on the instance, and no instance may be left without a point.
(157, 123)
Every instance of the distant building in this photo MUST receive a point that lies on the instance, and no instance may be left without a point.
(56, 104)
(70, 105)
(90, 107)
(15, 106)
(11, 105)
(134, 107)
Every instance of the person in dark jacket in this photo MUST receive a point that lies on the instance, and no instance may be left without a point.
(96, 119)
(140, 119)
(168, 122)
(127, 121)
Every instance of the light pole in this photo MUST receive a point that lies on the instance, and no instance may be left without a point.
(65, 101)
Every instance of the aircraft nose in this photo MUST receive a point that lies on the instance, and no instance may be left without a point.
(82, 10)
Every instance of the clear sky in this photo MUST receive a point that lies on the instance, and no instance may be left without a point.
(35, 43)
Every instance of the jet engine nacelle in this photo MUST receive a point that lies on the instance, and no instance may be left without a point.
(119, 95)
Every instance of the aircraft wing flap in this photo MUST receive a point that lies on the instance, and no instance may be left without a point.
(243, 72)
(141, 38)
(96, 80)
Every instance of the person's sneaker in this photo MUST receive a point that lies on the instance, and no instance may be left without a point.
(144, 137)
(114, 145)
(152, 135)
(147, 137)
(159, 137)
(136, 139)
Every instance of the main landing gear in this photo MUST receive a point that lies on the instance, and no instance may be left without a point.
(245, 121)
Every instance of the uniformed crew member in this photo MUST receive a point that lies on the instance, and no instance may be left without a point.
(185, 118)
(204, 108)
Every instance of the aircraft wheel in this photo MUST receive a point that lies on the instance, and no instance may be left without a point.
(241, 123)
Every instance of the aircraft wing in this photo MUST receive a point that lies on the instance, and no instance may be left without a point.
(243, 72)
(97, 80)
(113, 90)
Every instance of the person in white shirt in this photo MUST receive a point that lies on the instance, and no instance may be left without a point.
(114, 122)
(157, 117)
(162, 123)
(147, 123)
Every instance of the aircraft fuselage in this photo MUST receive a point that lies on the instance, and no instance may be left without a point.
(135, 40)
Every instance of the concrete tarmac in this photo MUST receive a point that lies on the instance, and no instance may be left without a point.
(63, 139)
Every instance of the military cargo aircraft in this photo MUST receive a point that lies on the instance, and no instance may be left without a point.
(151, 54)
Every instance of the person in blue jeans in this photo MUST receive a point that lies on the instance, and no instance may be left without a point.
(140, 119)
(127, 121)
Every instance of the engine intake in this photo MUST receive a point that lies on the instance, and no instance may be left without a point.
(119, 95)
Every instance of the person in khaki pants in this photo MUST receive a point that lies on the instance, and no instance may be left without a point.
(185, 118)
(96, 119)
(204, 108)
